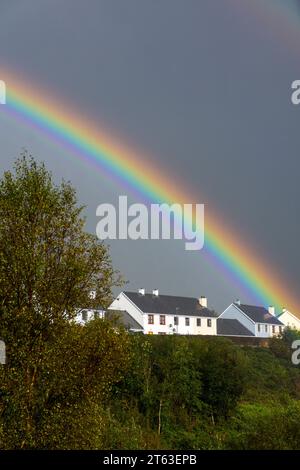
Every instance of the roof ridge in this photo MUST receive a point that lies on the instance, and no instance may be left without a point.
(160, 295)
(251, 305)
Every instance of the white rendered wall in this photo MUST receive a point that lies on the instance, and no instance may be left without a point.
(290, 320)
(91, 314)
(124, 304)
(181, 328)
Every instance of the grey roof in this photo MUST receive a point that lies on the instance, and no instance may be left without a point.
(123, 317)
(259, 314)
(231, 327)
(169, 305)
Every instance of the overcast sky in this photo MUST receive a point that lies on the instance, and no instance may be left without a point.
(203, 87)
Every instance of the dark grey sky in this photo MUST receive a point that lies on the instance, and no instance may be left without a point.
(203, 87)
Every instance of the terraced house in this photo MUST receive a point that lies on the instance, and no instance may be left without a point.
(154, 313)
(259, 321)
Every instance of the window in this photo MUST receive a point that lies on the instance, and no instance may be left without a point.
(280, 329)
(266, 328)
(187, 321)
(175, 321)
(209, 322)
(161, 333)
(258, 328)
(273, 329)
(150, 319)
(198, 321)
(162, 319)
(84, 315)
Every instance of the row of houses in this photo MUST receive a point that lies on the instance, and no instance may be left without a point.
(155, 313)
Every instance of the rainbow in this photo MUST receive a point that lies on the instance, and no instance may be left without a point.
(278, 18)
(68, 127)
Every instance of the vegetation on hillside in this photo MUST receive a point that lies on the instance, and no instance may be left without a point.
(65, 386)
(206, 393)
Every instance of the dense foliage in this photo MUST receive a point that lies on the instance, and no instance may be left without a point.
(56, 373)
(67, 386)
(206, 393)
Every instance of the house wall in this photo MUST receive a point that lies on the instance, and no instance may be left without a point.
(269, 333)
(289, 320)
(263, 333)
(234, 313)
(182, 329)
(91, 314)
(123, 303)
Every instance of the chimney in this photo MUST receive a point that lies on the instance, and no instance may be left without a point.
(155, 292)
(203, 301)
(271, 310)
(142, 291)
(238, 302)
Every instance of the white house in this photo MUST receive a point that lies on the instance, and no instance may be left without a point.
(154, 313)
(259, 321)
(289, 320)
(84, 315)
(166, 314)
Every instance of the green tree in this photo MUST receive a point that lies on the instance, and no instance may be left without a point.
(223, 368)
(48, 266)
(269, 426)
